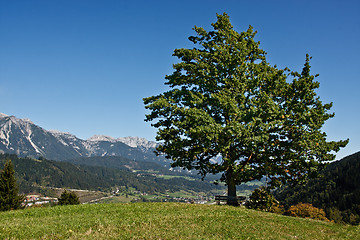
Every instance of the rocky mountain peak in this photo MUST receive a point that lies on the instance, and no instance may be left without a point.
(22, 137)
(2, 115)
(137, 142)
(101, 138)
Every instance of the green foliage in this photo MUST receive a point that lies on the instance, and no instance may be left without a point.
(68, 198)
(337, 191)
(306, 210)
(226, 99)
(9, 190)
(262, 199)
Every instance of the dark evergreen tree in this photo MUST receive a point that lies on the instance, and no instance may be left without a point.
(9, 190)
(68, 198)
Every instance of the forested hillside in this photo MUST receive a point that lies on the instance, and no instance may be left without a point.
(337, 191)
(32, 173)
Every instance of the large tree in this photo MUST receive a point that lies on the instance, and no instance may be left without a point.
(9, 190)
(226, 100)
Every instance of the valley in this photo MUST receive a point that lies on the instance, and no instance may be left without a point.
(46, 159)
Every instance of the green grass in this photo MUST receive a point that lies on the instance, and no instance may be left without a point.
(163, 221)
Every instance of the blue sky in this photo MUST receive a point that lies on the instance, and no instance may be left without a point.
(83, 66)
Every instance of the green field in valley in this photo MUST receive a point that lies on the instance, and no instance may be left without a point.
(163, 221)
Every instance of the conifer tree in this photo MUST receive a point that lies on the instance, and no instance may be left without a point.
(9, 190)
(68, 198)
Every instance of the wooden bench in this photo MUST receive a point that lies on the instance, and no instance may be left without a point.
(219, 198)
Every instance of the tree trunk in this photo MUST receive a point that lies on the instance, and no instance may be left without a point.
(232, 198)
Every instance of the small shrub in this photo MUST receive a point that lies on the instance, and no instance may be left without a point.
(334, 214)
(306, 210)
(68, 198)
(350, 216)
(262, 199)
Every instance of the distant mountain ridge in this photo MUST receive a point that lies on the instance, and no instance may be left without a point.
(130, 141)
(24, 138)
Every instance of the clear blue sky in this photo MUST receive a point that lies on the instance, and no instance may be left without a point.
(83, 66)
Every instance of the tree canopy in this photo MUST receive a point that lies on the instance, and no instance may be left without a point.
(226, 100)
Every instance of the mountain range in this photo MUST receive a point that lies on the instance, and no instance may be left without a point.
(25, 139)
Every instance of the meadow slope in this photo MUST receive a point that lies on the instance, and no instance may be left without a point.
(163, 221)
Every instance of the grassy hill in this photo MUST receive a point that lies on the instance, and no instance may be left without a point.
(163, 221)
